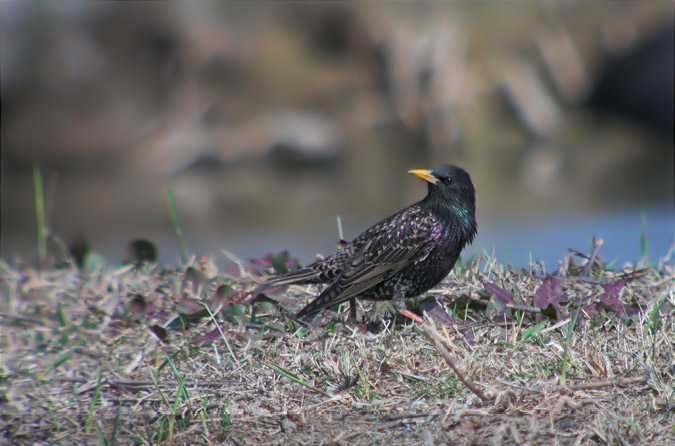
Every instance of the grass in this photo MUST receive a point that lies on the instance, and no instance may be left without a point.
(176, 226)
(40, 215)
(77, 363)
(570, 330)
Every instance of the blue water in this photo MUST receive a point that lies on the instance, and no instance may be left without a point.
(548, 239)
(510, 239)
(515, 240)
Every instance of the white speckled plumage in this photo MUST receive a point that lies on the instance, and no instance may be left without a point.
(403, 255)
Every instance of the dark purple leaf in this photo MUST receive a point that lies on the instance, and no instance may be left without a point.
(160, 332)
(613, 289)
(268, 291)
(436, 312)
(609, 298)
(195, 283)
(159, 315)
(281, 263)
(588, 310)
(362, 328)
(609, 303)
(549, 293)
(207, 337)
(191, 308)
(138, 307)
(504, 296)
(549, 296)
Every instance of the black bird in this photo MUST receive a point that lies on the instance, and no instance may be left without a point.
(401, 256)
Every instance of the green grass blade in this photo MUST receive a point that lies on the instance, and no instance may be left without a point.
(529, 333)
(570, 329)
(101, 438)
(90, 412)
(642, 238)
(280, 370)
(154, 380)
(113, 435)
(176, 226)
(63, 357)
(182, 391)
(40, 215)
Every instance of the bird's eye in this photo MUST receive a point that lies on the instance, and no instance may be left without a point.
(447, 180)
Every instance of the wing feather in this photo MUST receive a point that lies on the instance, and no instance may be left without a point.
(379, 253)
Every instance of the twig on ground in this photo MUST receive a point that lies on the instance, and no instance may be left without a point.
(597, 243)
(436, 339)
(609, 382)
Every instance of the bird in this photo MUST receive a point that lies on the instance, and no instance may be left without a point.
(401, 256)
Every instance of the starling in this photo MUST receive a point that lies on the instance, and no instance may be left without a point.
(401, 256)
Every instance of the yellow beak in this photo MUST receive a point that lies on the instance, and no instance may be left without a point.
(426, 175)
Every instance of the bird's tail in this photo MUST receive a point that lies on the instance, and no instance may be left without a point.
(305, 275)
(329, 297)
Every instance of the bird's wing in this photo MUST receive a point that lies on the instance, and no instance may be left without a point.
(381, 251)
(322, 271)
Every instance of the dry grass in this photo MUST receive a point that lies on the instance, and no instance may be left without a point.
(79, 366)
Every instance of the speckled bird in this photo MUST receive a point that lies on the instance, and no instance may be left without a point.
(401, 256)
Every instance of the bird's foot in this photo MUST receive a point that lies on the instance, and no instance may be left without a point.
(411, 315)
(399, 301)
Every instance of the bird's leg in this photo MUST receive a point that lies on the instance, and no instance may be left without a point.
(352, 310)
(398, 300)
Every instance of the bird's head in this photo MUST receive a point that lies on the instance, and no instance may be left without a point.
(450, 186)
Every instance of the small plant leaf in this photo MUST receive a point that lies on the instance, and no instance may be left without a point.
(192, 309)
(141, 250)
(501, 294)
(160, 332)
(549, 297)
(496, 309)
(271, 292)
(281, 263)
(138, 307)
(223, 296)
(206, 338)
(79, 250)
(195, 283)
(436, 311)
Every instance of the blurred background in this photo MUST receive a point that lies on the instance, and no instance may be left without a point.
(269, 120)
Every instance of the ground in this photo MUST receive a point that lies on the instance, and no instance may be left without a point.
(141, 354)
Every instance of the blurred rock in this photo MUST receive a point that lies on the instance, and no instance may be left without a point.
(332, 28)
(424, 73)
(528, 96)
(285, 137)
(297, 137)
(563, 63)
(639, 82)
